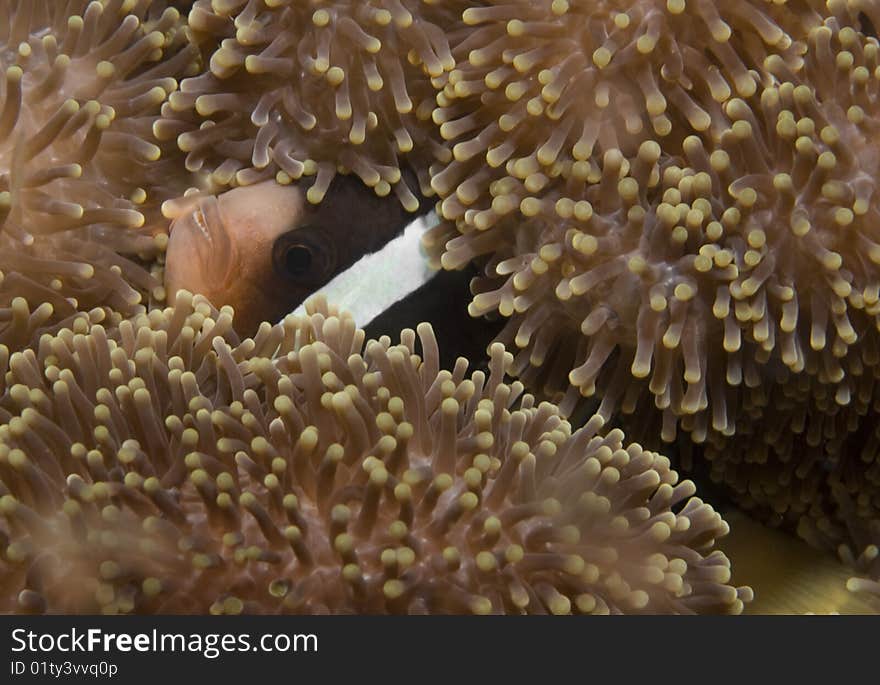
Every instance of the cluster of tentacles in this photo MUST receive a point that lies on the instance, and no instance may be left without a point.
(298, 89)
(675, 205)
(82, 176)
(168, 466)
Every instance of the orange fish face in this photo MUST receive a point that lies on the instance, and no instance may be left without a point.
(263, 249)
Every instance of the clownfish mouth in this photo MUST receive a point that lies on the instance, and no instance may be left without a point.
(198, 217)
(202, 252)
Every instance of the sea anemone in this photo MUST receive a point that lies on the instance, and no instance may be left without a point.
(866, 585)
(861, 552)
(81, 176)
(800, 460)
(170, 467)
(543, 85)
(707, 242)
(791, 577)
(314, 88)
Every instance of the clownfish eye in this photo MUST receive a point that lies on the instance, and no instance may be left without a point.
(297, 259)
(302, 255)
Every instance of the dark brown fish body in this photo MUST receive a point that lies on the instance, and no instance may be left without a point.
(264, 249)
(443, 301)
